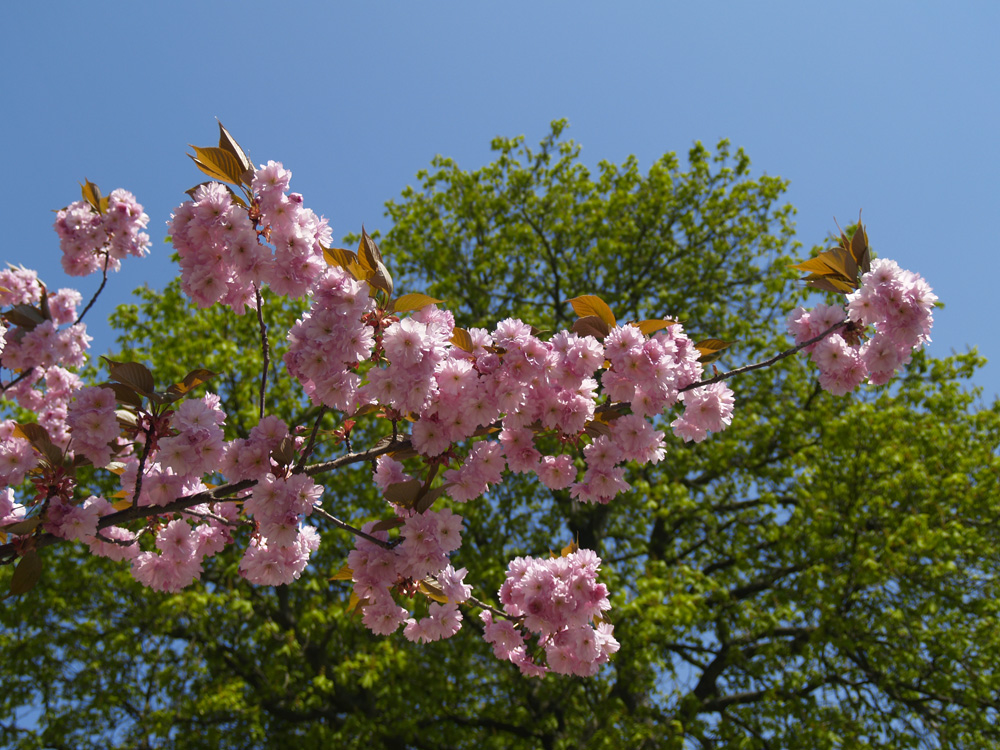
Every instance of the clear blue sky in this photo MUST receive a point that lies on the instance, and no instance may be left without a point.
(892, 107)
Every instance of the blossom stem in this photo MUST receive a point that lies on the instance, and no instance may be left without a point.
(767, 362)
(357, 532)
(264, 347)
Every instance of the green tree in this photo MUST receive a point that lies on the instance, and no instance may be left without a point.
(823, 574)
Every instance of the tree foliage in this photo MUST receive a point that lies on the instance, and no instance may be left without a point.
(821, 575)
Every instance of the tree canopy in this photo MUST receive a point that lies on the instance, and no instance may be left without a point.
(822, 574)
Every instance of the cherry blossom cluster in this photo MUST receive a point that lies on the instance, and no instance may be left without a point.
(895, 303)
(91, 241)
(94, 425)
(529, 382)
(378, 570)
(223, 247)
(572, 410)
(11, 511)
(181, 548)
(41, 350)
(184, 446)
(557, 600)
(282, 544)
(197, 447)
(330, 339)
(42, 344)
(17, 457)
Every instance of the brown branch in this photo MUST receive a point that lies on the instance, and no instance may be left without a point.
(264, 347)
(17, 380)
(9, 552)
(767, 362)
(104, 280)
(142, 464)
(357, 532)
(312, 439)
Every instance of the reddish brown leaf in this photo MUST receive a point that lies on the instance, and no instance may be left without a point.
(591, 304)
(426, 500)
(219, 164)
(404, 494)
(461, 338)
(387, 524)
(228, 143)
(92, 194)
(711, 349)
(22, 527)
(344, 574)
(26, 574)
(412, 302)
(591, 325)
(649, 327)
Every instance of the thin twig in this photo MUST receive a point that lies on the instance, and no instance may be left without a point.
(767, 362)
(142, 464)
(17, 380)
(312, 439)
(357, 532)
(206, 515)
(104, 280)
(119, 542)
(264, 347)
(474, 602)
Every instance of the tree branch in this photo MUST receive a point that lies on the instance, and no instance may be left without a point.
(264, 347)
(767, 362)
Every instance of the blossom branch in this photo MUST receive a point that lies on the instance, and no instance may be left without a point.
(767, 362)
(104, 281)
(224, 493)
(142, 465)
(207, 515)
(264, 347)
(472, 601)
(17, 380)
(347, 527)
(312, 438)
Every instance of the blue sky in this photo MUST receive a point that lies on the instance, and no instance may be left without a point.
(892, 107)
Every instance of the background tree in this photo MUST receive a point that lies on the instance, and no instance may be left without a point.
(822, 574)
